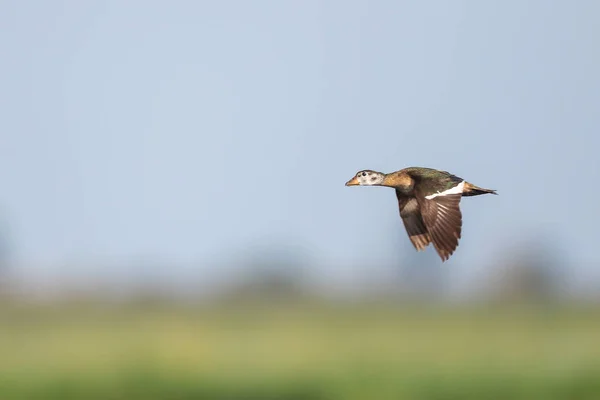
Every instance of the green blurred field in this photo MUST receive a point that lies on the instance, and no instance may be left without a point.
(301, 352)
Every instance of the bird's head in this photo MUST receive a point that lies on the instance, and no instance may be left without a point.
(366, 178)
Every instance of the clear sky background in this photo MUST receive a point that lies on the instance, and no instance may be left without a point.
(196, 131)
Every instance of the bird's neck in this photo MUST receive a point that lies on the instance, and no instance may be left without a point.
(398, 181)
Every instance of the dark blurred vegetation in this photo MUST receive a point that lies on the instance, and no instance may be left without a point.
(271, 335)
(299, 351)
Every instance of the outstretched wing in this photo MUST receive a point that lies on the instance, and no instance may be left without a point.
(443, 220)
(413, 222)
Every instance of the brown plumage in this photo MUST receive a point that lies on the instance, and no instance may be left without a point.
(429, 203)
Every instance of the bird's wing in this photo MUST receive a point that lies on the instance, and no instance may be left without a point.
(443, 220)
(413, 222)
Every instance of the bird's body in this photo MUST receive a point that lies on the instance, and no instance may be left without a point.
(429, 204)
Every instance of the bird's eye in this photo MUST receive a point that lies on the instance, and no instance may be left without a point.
(364, 174)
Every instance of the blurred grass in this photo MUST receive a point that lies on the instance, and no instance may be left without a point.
(302, 351)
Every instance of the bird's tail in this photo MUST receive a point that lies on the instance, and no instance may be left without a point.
(472, 190)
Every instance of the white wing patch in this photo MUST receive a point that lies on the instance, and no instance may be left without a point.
(454, 190)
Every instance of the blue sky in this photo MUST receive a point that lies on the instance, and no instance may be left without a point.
(191, 131)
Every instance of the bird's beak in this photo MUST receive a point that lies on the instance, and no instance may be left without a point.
(352, 182)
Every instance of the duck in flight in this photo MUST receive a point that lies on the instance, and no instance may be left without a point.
(429, 204)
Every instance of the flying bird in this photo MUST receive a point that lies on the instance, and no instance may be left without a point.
(429, 204)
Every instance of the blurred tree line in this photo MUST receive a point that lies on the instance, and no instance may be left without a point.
(527, 272)
(532, 271)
